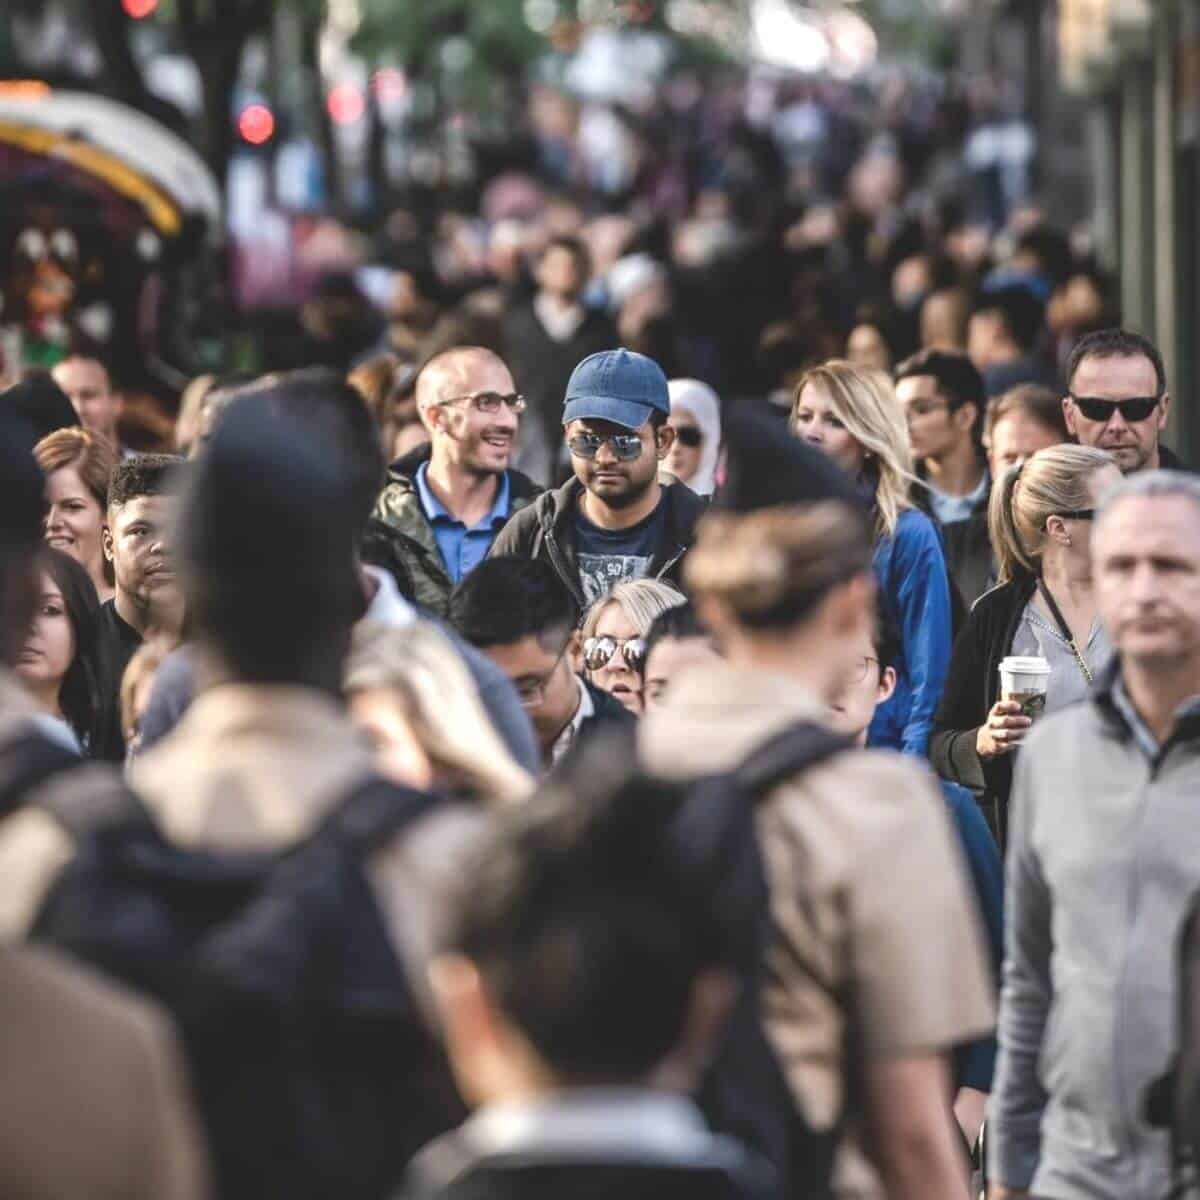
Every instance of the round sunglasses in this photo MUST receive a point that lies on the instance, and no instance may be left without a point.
(599, 651)
(690, 436)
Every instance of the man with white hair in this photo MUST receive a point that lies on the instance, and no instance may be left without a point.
(1103, 863)
(448, 499)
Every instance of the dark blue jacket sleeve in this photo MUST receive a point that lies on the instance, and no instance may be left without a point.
(975, 1063)
(921, 601)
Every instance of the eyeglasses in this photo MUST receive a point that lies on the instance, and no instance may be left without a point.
(1078, 514)
(689, 435)
(1133, 409)
(531, 689)
(599, 651)
(625, 446)
(862, 667)
(489, 402)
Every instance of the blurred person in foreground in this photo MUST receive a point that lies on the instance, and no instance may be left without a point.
(94, 1100)
(944, 403)
(521, 615)
(872, 940)
(579, 1064)
(1020, 423)
(1103, 866)
(411, 694)
(1041, 515)
(447, 501)
(1117, 399)
(613, 520)
(854, 418)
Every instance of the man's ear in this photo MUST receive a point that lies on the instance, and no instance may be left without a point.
(467, 1025)
(106, 541)
(1163, 408)
(1069, 416)
(887, 685)
(664, 439)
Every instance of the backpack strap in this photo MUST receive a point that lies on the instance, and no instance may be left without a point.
(789, 752)
(374, 812)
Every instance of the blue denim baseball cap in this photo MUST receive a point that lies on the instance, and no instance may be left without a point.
(619, 386)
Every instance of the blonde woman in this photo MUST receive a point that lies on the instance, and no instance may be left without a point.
(409, 691)
(614, 637)
(1040, 523)
(852, 415)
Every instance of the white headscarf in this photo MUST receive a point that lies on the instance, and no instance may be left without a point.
(701, 402)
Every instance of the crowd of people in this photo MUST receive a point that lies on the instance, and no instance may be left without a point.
(556, 742)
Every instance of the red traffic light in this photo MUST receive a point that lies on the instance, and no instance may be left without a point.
(347, 104)
(139, 9)
(256, 124)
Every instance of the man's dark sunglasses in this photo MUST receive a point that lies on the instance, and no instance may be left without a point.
(1135, 408)
(689, 435)
(625, 446)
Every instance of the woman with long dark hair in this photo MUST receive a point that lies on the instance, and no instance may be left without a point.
(57, 663)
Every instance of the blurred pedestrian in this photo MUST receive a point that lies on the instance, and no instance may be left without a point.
(410, 692)
(853, 416)
(1102, 860)
(944, 403)
(613, 637)
(1003, 337)
(78, 466)
(97, 402)
(696, 451)
(448, 500)
(613, 520)
(1044, 606)
(872, 940)
(1020, 423)
(520, 614)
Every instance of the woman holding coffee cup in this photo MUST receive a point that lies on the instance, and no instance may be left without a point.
(1033, 643)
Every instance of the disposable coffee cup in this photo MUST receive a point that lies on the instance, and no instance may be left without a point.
(1024, 682)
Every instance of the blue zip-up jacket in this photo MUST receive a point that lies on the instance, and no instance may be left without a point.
(914, 586)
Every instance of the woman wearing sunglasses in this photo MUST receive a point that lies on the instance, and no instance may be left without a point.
(614, 637)
(696, 419)
(1040, 525)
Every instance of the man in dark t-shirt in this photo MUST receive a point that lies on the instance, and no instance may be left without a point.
(147, 603)
(613, 520)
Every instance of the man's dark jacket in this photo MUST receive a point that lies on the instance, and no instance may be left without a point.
(545, 529)
(967, 545)
(399, 508)
(542, 366)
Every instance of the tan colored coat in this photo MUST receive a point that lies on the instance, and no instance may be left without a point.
(93, 1104)
(868, 892)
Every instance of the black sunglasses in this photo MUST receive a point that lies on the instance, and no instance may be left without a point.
(1135, 408)
(1078, 514)
(598, 652)
(625, 446)
(689, 435)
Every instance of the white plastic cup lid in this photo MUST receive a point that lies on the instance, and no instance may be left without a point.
(1016, 665)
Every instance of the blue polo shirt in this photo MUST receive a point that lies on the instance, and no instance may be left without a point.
(462, 549)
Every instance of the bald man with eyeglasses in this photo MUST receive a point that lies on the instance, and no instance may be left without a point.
(447, 501)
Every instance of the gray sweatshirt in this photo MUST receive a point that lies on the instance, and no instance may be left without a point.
(1104, 859)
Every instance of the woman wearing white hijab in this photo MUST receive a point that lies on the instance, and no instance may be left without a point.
(696, 419)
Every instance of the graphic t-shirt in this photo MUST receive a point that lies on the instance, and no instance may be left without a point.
(610, 556)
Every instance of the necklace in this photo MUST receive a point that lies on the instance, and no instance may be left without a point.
(1064, 629)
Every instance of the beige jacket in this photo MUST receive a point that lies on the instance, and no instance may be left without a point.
(93, 1104)
(868, 893)
(254, 767)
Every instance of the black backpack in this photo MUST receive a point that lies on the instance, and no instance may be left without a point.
(745, 1093)
(1172, 1102)
(313, 1069)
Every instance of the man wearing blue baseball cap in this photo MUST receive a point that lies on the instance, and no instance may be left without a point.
(613, 520)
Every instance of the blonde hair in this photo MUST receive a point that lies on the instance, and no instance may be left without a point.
(420, 666)
(771, 568)
(1052, 481)
(865, 402)
(641, 600)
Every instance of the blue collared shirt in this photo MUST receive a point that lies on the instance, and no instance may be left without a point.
(462, 549)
